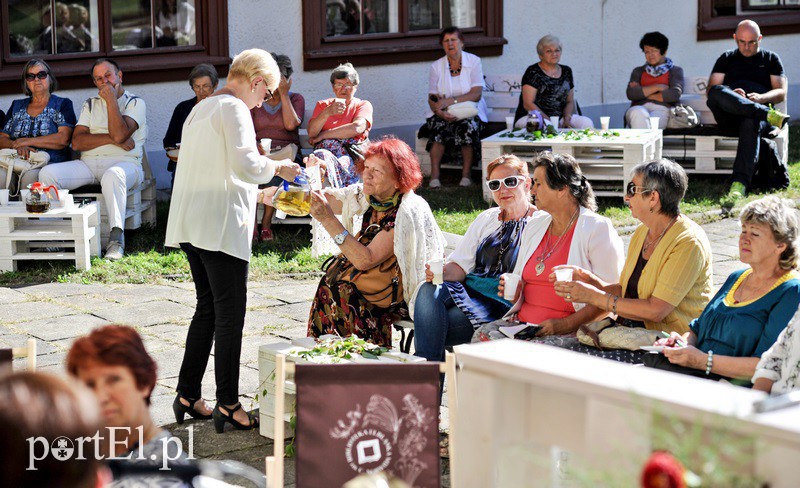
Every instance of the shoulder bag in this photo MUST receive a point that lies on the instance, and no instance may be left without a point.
(606, 334)
(14, 164)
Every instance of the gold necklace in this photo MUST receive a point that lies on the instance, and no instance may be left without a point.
(647, 245)
(546, 253)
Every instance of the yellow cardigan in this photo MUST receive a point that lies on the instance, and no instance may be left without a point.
(678, 272)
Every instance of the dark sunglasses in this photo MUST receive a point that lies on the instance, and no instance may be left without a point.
(509, 182)
(632, 189)
(32, 76)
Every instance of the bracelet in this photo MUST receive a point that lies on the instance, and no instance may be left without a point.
(709, 362)
(614, 306)
(608, 302)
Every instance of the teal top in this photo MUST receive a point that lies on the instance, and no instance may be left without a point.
(746, 329)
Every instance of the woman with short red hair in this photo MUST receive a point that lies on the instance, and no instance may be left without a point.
(374, 280)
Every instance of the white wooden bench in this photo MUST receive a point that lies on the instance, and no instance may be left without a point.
(403, 325)
(141, 204)
(709, 154)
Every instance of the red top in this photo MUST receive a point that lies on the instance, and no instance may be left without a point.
(357, 108)
(541, 301)
(648, 79)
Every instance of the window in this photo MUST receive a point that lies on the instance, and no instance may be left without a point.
(374, 32)
(142, 35)
(717, 19)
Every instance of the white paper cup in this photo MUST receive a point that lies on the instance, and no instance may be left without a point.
(510, 283)
(4, 196)
(437, 268)
(266, 143)
(280, 214)
(564, 274)
(67, 201)
(605, 122)
(654, 122)
(510, 123)
(554, 121)
(23, 195)
(314, 177)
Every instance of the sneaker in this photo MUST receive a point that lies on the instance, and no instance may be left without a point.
(114, 251)
(777, 118)
(736, 192)
(465, 182)
(435, 183)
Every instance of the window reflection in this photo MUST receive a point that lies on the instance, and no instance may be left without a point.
(39, 27)
(438, 14)
(175, 20)
(356, 17)
(131, 24)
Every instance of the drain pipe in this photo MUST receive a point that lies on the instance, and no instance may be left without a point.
(602, 51)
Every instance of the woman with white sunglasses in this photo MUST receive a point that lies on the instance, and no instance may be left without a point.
(565, 231)
(447, 314)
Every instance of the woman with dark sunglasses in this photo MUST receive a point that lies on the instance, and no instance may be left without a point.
(567, 231)
(41, 122)
(447, 314)
(666, 280)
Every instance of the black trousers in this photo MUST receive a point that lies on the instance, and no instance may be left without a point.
(221, 284)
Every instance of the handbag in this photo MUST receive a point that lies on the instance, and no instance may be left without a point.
(14, 164)
(606, 334)
(463, 110)
(682, 117)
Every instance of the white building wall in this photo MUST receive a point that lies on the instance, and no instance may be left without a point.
(600, 40)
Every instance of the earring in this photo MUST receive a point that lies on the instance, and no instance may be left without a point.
(651, 209)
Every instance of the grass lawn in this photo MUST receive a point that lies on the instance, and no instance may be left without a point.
(147, 261)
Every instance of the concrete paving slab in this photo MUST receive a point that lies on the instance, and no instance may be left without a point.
(53, 290)
(141, 294)
(31, 312)
(64, 327)
(9, 295)
(144, 314)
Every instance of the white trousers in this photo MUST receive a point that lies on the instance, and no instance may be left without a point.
(115, 179)
(638, 117)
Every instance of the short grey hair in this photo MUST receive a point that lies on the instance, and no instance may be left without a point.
(202, 70)
(669, 179)
(343, 71)
(546, 41)
(781, 215)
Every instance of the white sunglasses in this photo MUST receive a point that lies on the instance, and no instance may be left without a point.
(508, 181)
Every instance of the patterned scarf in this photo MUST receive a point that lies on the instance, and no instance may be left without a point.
(379, 206)
(656, 71)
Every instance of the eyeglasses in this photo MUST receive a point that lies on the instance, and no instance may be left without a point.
(509, 182)
(269, 95)
(341, 86)
(32, 76)
(632, 190)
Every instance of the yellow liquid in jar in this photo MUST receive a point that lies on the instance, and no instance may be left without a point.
(294, 202)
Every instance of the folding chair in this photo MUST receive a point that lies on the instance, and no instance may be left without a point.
(391, 431)
(7, 356)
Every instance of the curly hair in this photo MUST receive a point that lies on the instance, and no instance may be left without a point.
(402, 158)
(781, 215)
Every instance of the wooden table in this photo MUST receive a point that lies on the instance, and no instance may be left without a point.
(73, 231)
(606, 162)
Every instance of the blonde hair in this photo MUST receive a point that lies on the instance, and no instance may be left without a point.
(252, 63)
(781, 215)
(513, 162)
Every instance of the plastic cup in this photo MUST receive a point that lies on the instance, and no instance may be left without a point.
(564, 274)
(23, 195)
(266, 143)
(554, 121)
(511, 281)
(654, 123)
(4, 196)
(510, 123)
(437, 268)
(280, 214)
(605, 122)
(314, 177)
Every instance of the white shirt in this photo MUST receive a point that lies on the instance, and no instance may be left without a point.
(213, 203)
(94, 116)
(441, 83)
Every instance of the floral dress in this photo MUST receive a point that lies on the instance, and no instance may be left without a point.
(339, 306)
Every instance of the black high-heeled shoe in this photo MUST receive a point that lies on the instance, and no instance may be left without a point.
(181, 410)
(220, 418)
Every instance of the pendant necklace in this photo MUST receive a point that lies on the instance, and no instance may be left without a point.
(647, 245)
(550, 250)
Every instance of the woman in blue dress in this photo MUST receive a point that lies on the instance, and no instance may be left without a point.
(41, 122)
(447, 314)
(754, 305)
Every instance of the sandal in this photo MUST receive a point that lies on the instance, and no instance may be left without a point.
(220, 418)
(266, 235)
(444, 445)
(181, 410)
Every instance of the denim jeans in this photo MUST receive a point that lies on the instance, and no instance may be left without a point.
(438, 322)
(750, 118)
(220, 281)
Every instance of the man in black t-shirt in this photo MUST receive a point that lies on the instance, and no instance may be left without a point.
(743, 84)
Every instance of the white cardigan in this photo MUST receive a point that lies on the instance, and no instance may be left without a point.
(441, 83)
(482, 227)
(595, 246)
(781, 362)
(417, 238)
(213, 204)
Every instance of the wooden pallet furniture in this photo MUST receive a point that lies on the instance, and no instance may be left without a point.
(141, 204)
(60, 233)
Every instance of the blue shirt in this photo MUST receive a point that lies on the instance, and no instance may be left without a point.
(746, 329)
(57, 113)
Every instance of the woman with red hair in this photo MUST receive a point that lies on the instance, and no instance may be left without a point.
(374, 280)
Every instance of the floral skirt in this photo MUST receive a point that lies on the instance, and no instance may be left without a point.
(453, 135)
(341, 310)
(335, 155)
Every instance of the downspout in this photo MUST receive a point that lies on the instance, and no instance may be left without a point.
(602, 51)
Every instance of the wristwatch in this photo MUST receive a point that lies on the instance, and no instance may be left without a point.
(340, 237)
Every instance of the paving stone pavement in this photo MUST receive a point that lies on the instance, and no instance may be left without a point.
(56, 313)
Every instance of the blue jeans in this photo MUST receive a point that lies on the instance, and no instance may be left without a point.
(750, 118)
(438, 322)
